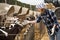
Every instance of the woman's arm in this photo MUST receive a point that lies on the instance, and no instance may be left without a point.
(36, 20)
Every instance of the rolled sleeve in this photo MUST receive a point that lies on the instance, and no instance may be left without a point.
(54, 18)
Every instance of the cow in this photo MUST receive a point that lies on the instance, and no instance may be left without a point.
(12, 31)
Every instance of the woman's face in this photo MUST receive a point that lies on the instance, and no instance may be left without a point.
(41, 10)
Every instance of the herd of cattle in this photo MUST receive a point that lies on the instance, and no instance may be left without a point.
(7, 13)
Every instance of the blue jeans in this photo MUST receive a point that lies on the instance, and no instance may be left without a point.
(56, 36)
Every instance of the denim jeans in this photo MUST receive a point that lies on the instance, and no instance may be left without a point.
(56, 36)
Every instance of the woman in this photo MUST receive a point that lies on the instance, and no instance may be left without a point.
(49, 19)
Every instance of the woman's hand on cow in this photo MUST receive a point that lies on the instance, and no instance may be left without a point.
(25, 22)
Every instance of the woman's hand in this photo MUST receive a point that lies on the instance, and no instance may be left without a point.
(53, 30)
(25, 22)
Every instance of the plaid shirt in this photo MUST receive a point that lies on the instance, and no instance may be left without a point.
(49, 19)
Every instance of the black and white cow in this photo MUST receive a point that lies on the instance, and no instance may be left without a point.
(11, 31)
